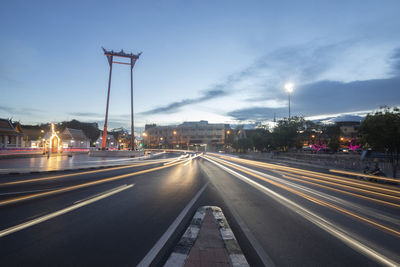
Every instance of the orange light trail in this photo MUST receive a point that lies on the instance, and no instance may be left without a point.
(342, 191)
(314, 200)
(69, 188)
(79, 173)
(365, 175)
(343, 180)
(345, 187)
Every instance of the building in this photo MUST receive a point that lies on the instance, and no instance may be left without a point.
(112, 142)
(349, 129)
(10, 136)
(188, 135)
(73, 138)
(33, 136)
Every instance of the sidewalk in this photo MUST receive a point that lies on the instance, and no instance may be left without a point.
(61, 162)
(208, 241)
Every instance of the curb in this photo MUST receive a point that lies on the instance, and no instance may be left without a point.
(185, 244)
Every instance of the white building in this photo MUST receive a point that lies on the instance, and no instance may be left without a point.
(73, 138)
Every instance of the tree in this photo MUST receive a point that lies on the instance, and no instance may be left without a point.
(262, 140)
(381, 132)
(333, 134)
(242, 145)
(286, 132)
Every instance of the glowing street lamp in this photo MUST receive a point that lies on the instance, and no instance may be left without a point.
(289, 90)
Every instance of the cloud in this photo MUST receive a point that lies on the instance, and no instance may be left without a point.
(7, 109)
(304, 62)
(18, 111)
(395, 61)
(346, 117)
(257, 113)
(175, 106)
(327, 97)
(85, 114)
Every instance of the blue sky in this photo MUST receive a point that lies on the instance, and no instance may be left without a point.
(222, 61)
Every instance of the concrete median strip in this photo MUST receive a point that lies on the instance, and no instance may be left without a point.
(201, 243)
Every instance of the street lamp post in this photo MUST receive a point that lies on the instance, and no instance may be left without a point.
(144, 139)
(175, 141)
(289, 90)
(228, 132)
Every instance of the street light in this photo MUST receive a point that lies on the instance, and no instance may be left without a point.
(174, 141)
(289, 90)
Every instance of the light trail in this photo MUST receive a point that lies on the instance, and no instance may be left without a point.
(177, 159)
(310, 198)
(360, 209)
(342, 191)
(52, 215)
(333, 199)
(69, 188)
(344, 186)
(192, 158)
(80, 173)
(365, 175)
(339, 179)
(336, 231)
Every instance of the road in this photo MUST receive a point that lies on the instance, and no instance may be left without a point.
(133, 215)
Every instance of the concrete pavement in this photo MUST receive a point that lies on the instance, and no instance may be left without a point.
(63, 162)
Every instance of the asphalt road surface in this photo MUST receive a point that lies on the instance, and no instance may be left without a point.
(134, 214)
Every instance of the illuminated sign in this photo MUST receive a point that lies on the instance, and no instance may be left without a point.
(353, 146)
(318, 145)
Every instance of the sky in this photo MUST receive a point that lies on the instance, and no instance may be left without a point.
(221, 61)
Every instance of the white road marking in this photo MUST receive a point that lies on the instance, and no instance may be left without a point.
(151, 255)
(52, 215)
(314, 218)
